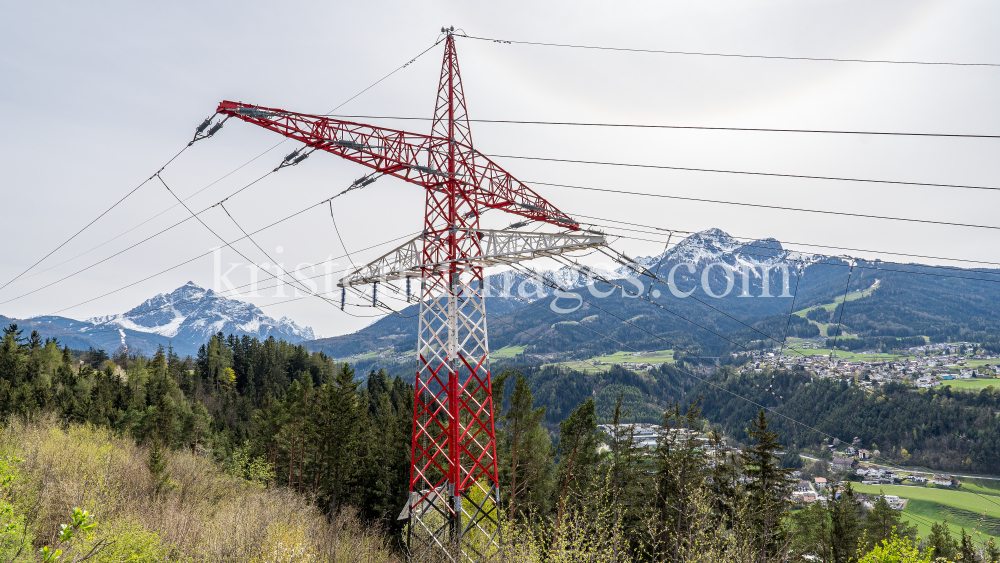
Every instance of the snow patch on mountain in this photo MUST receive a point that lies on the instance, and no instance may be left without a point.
(190, 314)
(711, 246)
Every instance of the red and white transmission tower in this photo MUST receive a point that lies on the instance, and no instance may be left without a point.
(453, 501)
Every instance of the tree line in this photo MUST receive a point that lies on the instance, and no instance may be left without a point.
(274, 413)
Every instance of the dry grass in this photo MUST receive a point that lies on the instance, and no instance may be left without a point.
(202, 515)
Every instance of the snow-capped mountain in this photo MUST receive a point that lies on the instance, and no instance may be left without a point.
(184, 318)
(711, 246)
(191, 314)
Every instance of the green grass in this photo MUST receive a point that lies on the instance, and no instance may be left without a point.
(981, 486)
(971, 385)
(587, 366)
(977, 363)
(959, 507)
(843, 355)
(852, 296)
(656, 357)
(508, 352)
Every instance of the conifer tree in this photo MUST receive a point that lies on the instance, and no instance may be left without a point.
(337, 419)
(578, 456)
(526, 449)
(680, 472)
(810, 539)
(628, 486)
(845, 524)
(768, 487)
(966, 550)
(941, 542)
(884, 523)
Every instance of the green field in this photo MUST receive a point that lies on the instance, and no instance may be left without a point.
(656, 357)
(841, 354)
(960, 508)
(854, 295)
(971, 385)
(982, 486)
(587, 366)
(508, 352)
(977, 363)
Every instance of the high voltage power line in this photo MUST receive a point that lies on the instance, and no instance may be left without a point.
(691, 127)
(298, 282)
(660, 232)
(161, 169)
(859, 265)
(665, 230)
(765, 206)
(731, 55)
(743, 172)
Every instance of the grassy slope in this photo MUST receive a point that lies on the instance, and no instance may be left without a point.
(850, 356)
(971, 385)
(507, 352)
(202, 514)
(852, 296)
(587, 366)
(960, 508)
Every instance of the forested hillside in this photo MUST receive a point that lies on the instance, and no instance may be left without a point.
(279, 416)
(740, 298)
(933, 428)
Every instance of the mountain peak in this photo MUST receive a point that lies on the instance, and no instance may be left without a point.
(191, 314)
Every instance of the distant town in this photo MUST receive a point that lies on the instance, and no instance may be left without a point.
(923, 366)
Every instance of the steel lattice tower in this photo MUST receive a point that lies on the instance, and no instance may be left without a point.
(453, 504)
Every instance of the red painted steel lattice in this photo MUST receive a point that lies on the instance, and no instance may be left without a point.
(453, 476)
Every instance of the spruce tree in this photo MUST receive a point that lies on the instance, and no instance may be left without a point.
(527, 450)
(628, 485)
(337, 422)
(680, 472)
(941, 541)
(768, 487)
(578, 456)
(966, 551)
(884, 523)
(810, 534)
(845, 524)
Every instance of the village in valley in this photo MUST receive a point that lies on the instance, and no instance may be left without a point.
(922, 367)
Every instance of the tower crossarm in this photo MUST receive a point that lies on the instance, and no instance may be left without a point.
(499, 248)
(482, 182)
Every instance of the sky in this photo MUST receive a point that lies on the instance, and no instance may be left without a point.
(98, 96)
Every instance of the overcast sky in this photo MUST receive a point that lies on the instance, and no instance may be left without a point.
(97, 96)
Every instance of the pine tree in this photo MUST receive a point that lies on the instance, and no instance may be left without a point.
(768, 487)
(941, 541)
(526, 448)
(845, 524)
(966, 551)
(884, 523)
(811, 534)
(578, 456)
